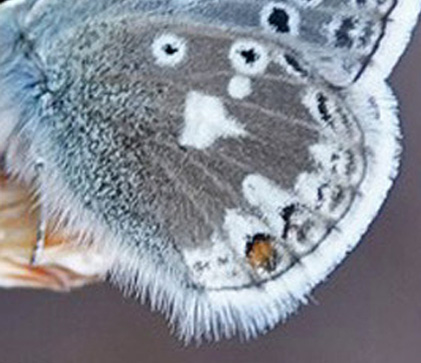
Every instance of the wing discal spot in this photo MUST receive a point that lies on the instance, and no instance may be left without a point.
(295, 65)
(207, 120)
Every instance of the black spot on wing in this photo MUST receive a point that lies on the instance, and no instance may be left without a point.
(170, 49)
(286, 215)
(250, 55)
(293, 62)
(279, 20)
(342, 35)
(322, 108)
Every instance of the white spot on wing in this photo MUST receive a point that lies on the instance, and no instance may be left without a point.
(238, 226)
(206, 120)
(268, 197)
(224, 264)
(261, 192)
(239, 87)
(169, 50)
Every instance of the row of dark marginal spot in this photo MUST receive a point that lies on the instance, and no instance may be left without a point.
(342, 34)
(322, 108)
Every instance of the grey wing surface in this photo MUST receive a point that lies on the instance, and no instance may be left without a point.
(213, 157)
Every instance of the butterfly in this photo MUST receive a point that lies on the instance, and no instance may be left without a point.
(222, 157)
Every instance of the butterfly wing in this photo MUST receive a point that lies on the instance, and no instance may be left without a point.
(341, 37)
(218, 164)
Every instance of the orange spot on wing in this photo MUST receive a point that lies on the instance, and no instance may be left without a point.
(261, 252)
